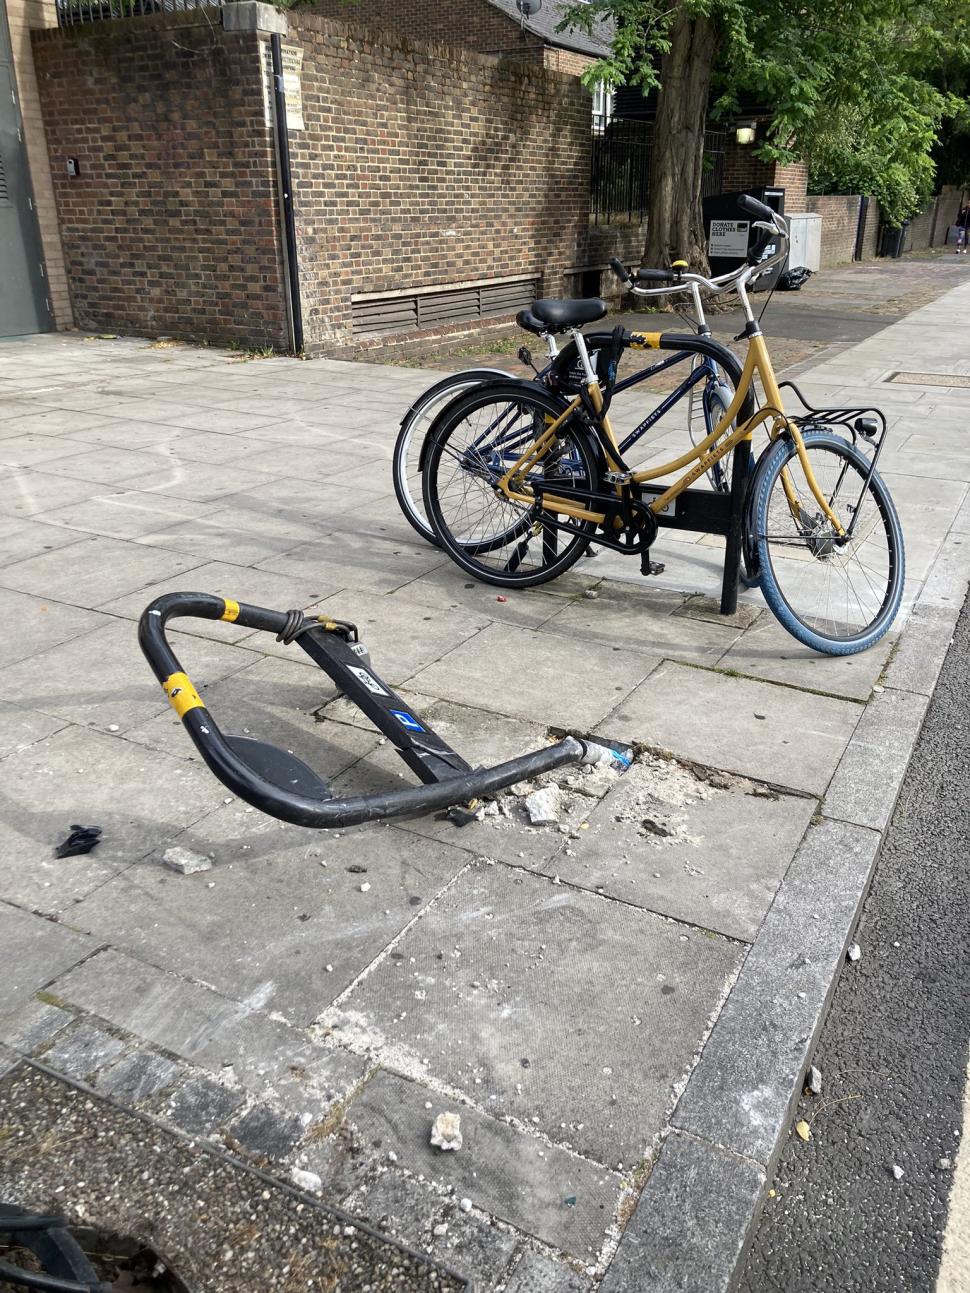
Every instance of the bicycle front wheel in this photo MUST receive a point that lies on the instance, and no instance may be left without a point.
(407, 462)
(837, 593)
(510, 542)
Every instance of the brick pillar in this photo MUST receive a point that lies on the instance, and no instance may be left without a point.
(22, 16)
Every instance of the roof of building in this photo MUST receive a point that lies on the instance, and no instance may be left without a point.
(545, 22)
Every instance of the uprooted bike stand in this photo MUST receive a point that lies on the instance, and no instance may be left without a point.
(280, 784)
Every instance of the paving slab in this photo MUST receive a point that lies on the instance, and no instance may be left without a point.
(270, 924)
(20, 727)
(769, 733)
(32, 493)
(36, 624)
(544, 1191)
(33, 1025)
(82, 1050)
(687, 1234)
(767, 651)
(472, 997)
(35, 951)
(641, 620)
(199, 1106)
(96, 571)
(242, 584)
(204, 482)
(137, 1075)
(552, 689)
(740, 1094)
(125, 514)
(355, 561)
(106, 463)
(235, 1042)
(707, 850)
(102, 680)
(535, 1273)
(447, 589)
(871, 770)
(412, 1212)
(918, 656)
(273, 700)
(21, 538)
(127, 433)
(77, 775)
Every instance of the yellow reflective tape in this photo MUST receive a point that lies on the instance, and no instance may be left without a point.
(182, 696)
(231, 612)
(645, 340)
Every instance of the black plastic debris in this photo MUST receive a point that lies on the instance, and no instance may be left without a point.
(82, 839)
(794, 278)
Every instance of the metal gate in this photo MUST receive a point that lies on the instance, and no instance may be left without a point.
(24, 304)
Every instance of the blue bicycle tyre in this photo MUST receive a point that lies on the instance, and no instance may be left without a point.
(789, 587)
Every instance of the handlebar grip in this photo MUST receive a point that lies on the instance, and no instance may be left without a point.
(751, 206)
(656, 276)
(620, 270)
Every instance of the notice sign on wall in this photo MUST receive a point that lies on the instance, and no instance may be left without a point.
(728, 238)
(291, 57)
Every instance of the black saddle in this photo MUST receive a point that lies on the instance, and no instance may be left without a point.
(557, 316)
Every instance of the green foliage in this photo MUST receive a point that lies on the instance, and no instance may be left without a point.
(862, 88)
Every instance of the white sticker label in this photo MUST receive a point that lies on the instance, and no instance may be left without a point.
(728, 238)
(369, 681)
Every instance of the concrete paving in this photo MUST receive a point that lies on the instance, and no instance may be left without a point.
(620, 1009)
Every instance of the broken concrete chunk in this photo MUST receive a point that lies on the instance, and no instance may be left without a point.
(544, 806)
(185, 862)
(306, 1180)
(446, 1131)
(897, 1172)
(855, 952)
(814, 1081)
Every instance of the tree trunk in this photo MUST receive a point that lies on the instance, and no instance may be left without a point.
(675, 225)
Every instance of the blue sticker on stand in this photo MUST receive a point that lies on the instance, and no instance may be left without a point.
(407, 720)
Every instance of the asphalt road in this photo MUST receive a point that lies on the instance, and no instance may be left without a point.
(893, 1053)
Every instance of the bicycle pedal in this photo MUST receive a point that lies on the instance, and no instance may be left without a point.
(652, 568)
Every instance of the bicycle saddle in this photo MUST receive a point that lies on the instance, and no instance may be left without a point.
(559, 315)
(526, 319)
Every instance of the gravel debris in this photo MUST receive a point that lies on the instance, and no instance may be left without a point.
(222, 1227)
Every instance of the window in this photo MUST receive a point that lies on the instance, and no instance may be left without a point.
(602, 106)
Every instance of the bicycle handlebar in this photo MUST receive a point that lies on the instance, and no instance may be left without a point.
(751, 206)
(249, 784)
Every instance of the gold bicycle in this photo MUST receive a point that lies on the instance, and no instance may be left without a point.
(519, 482)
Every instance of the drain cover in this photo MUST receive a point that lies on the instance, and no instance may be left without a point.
(931, 379)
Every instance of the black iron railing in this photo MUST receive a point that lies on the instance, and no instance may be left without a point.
(620, 173)
(72, 12)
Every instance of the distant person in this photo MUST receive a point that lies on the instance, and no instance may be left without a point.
(963, 222)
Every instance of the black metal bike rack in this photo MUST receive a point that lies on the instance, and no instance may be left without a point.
(708, 511)
(280, 784)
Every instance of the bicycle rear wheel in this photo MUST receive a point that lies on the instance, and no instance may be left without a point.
(408, 458)
(512, 543)
(837, 595)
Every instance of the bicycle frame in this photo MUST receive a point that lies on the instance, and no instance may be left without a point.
(716, 445)
(705, 370)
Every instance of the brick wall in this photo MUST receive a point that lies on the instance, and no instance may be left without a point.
(471, 24)
(566, 60)
(171, 225)
(840, 222)
(23, 16)
(423, 165)
(744, 171)
(928, 228)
